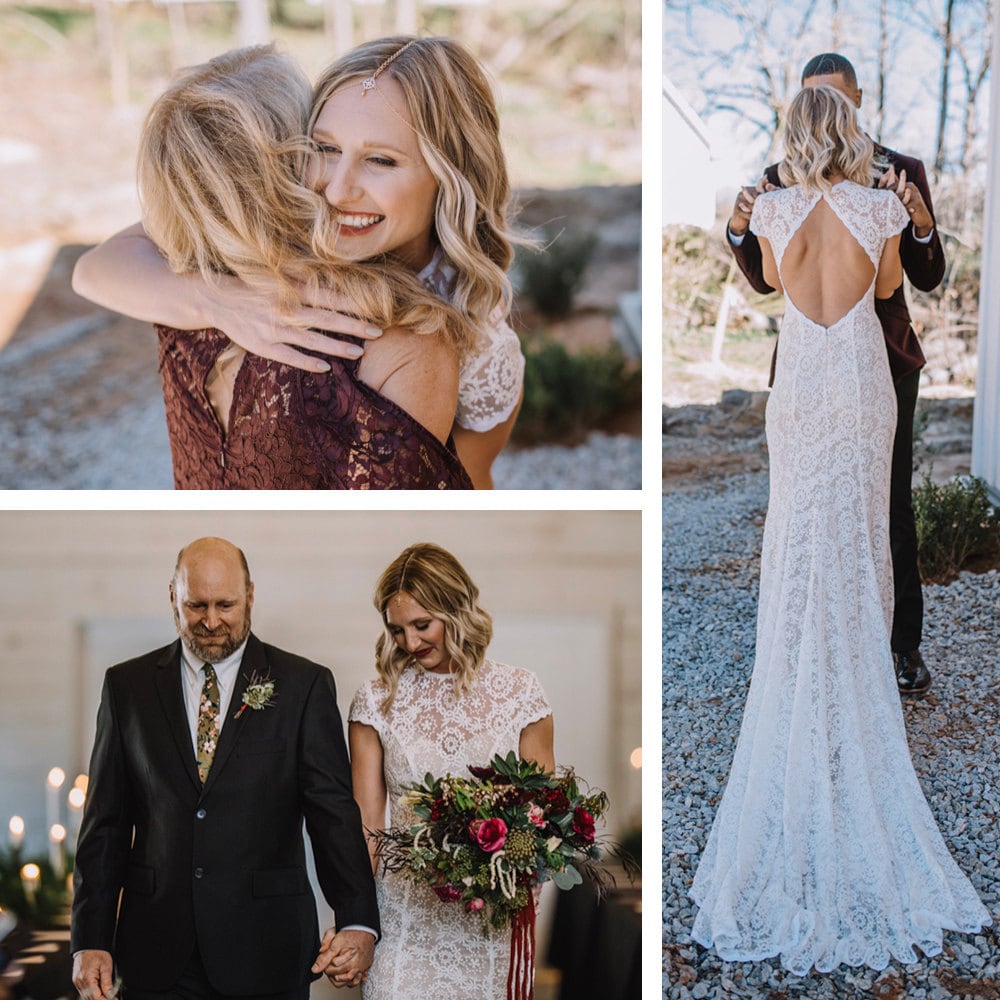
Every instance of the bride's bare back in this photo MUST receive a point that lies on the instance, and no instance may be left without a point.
(824, 269)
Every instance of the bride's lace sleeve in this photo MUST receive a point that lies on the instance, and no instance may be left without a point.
(490, 378)
(532, 704)
(364, 706)
(895, 217)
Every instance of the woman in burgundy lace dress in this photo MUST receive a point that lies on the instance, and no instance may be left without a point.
(396, 186)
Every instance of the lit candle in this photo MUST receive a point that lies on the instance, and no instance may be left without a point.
(53, 785)
(31, 876)
(75, 800)
(635, 758)
(81, 782)
(15, 829)
(57, 857)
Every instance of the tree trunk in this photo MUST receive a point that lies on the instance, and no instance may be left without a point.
(946, 40)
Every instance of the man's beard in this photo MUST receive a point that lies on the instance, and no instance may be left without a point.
(213, 653)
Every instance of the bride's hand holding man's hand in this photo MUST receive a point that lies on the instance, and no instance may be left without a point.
(739, 221)
(345, 957)
(913, 201)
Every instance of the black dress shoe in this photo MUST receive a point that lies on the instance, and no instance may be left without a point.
(912, 674)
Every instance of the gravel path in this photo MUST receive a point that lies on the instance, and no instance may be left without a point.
(710, 552)
(82, 409)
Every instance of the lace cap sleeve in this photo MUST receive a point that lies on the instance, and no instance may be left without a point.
(760, 218)
(491, 378)
(364, 707)
(532, 704)
(896, 217)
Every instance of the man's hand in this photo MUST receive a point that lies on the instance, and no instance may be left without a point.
(913, 201)
(93, 974)
(345, 957)
(739, 221)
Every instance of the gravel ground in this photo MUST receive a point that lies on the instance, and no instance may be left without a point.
(82, 409)
(711, 549)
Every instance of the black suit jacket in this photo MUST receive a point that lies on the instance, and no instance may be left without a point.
(222, 865)
(923, 263)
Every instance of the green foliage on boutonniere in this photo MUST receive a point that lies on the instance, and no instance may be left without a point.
(258, 695)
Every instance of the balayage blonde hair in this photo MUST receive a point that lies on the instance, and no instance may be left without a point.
(454, 116)
(221, 157)
(822, 138)
(438, 582)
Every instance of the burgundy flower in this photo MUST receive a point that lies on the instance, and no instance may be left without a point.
(583, 824)
(437, 809)
(475, 905)
(447, 893)
(556, 800)
(489, 834)
(483, 773)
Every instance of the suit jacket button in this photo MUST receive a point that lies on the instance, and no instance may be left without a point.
(199, 872)
(201, 814)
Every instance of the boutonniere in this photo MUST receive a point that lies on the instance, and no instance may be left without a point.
(258, 695)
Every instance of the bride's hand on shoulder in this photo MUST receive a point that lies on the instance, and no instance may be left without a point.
(255, 320)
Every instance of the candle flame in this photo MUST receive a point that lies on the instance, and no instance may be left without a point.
(76, 798)
(16, 826)
(56, 777)
(635, 758)
(31, 872)
(57, 833)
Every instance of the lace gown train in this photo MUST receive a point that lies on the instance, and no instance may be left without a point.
(824, 849)
(430, 948)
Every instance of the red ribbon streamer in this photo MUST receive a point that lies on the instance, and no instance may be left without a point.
(521, 976)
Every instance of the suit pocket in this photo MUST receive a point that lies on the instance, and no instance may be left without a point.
(253, 748)
(280, 882)
(141, 880)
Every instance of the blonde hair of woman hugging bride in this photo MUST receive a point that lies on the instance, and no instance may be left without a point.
(405, 177)
(437, 705)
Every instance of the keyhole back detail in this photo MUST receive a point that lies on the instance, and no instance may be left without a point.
(824, 269)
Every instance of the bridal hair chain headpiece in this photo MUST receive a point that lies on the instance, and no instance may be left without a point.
(368, 83)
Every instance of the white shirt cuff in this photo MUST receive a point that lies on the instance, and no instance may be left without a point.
(924, 239)
(359, 927)
(737, 241)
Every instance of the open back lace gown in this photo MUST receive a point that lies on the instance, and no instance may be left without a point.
(824, 849)
(430, 948)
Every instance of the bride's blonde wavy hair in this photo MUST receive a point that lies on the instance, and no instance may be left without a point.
(454, 116)
(438, 582)
(822, 138)
(221, 157)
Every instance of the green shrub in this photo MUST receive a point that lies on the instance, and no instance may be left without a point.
(567, 393)
(955, 523)
(550, 277)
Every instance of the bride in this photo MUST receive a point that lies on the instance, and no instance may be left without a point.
(438, 704)
(824, 850)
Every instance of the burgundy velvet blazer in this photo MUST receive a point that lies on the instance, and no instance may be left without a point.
(923, 264)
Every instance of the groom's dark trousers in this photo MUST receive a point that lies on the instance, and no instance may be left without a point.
(924, 265)
(214, 897)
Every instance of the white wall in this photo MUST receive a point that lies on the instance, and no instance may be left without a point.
(986, 416)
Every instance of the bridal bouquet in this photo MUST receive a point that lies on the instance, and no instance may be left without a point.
(484, 842)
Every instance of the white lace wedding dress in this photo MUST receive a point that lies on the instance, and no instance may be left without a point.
(824, 849)
(430, 948)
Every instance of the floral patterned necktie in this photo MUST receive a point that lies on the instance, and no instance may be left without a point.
(208, 722)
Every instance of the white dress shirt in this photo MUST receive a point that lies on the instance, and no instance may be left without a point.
(193, 680)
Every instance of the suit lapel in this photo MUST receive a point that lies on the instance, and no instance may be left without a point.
(168, 687)
(254, 662)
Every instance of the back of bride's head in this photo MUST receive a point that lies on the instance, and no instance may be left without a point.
(822, 139)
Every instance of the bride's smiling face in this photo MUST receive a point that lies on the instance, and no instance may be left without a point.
(416, 631)
(370, 169)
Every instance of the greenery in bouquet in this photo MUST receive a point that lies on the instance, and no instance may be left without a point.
(484, 842)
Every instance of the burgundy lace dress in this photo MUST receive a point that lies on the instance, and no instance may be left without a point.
(292, 430)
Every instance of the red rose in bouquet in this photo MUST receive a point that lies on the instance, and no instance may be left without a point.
(489, 834)
(583, 824)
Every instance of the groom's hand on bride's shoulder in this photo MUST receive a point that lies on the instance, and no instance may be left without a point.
(739, 221)
(345, 957)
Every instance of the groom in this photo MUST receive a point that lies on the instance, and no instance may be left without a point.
(923, 261)
(208, 755)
